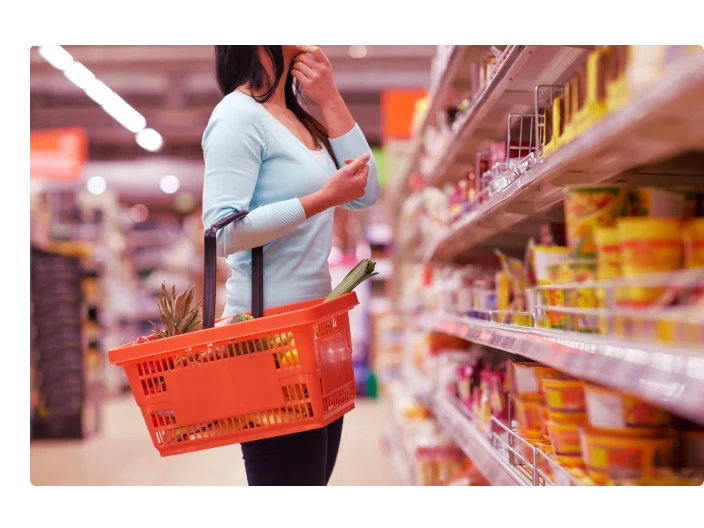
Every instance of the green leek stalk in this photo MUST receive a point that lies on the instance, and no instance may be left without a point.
(361, 272)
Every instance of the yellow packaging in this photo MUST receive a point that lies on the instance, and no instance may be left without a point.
(564, 395)
(543, 258)
(648, 245)
(527, 379)
(693, 242)
(618, 456)
(588, 207)
(577, 271)
(608, 252)
(503, 291)
(564, 438)
(529, 415)
(653, 202)
(556, 298)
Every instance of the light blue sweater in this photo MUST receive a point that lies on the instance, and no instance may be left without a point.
(254, 163)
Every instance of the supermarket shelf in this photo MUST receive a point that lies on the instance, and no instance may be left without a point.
(660, 124)
(453, 77)
(464, 431)
(475, 443)
(511, 90)
(399, 455)
(668, 377)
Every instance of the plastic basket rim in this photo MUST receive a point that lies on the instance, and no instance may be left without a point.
(310, 312)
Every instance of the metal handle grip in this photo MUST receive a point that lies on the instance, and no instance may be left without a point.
(210, 272)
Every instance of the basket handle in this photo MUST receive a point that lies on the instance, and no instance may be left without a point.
(210, 271)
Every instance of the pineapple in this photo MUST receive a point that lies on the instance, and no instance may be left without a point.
(179, 314)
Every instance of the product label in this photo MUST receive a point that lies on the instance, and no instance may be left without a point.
(605, 410)
(644, 256)
(571, 399)
(525, 381)
(641, 414)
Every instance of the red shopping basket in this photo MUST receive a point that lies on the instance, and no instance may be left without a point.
(286, 371)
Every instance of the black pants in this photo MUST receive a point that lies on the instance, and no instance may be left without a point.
(299, 459)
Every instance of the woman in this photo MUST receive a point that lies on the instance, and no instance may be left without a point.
(265, 154)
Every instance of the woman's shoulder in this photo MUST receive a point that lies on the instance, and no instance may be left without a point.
(236, 113)
(237, 107)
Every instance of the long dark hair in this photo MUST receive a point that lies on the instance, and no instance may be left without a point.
(241, 65)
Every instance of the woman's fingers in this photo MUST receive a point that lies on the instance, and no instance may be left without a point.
(315, 51)
(307, 59)
(357, 163)
(304, 69)
(299, 76)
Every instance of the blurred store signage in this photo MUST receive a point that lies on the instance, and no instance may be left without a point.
(397, 109)
(58, 155)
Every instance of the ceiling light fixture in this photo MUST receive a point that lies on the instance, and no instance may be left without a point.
(96, 185)
(358, 52)
(147, 138)
(169, 184)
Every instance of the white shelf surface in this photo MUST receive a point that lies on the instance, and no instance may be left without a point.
(662, 122)
(671, 378)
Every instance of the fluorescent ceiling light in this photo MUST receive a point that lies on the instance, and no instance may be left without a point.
(56, 56)
(169, 184)
(124, 114)
(99, 92)
(149, 139)
(96, 185)
(113, 104)
(79, 75)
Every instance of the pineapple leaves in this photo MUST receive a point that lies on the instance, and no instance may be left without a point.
(179, 314)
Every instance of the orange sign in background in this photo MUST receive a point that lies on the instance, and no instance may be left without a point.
(397, 108)
(58, 155)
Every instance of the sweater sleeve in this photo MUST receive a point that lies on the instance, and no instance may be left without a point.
(234, 146)
(351, 145)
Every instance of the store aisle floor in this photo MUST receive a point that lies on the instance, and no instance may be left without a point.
(121, 455)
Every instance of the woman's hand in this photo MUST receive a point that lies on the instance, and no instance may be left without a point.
(345, 185)
(313, 71)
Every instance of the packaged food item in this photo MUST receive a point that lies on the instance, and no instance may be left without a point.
(609, 456)
(691, 443)
(588, 207)
(662, 477)
(564, 395)
(515, 270)
(503, 291)
(648, 245)
(654, 202)
(570, 461)
(572, 417)
(555, 298)
(693, 242)
(576, 271)
(530, 418)
(608, 253)
(565, 438)
(527, 378)
(622, 414)
(617, 93)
